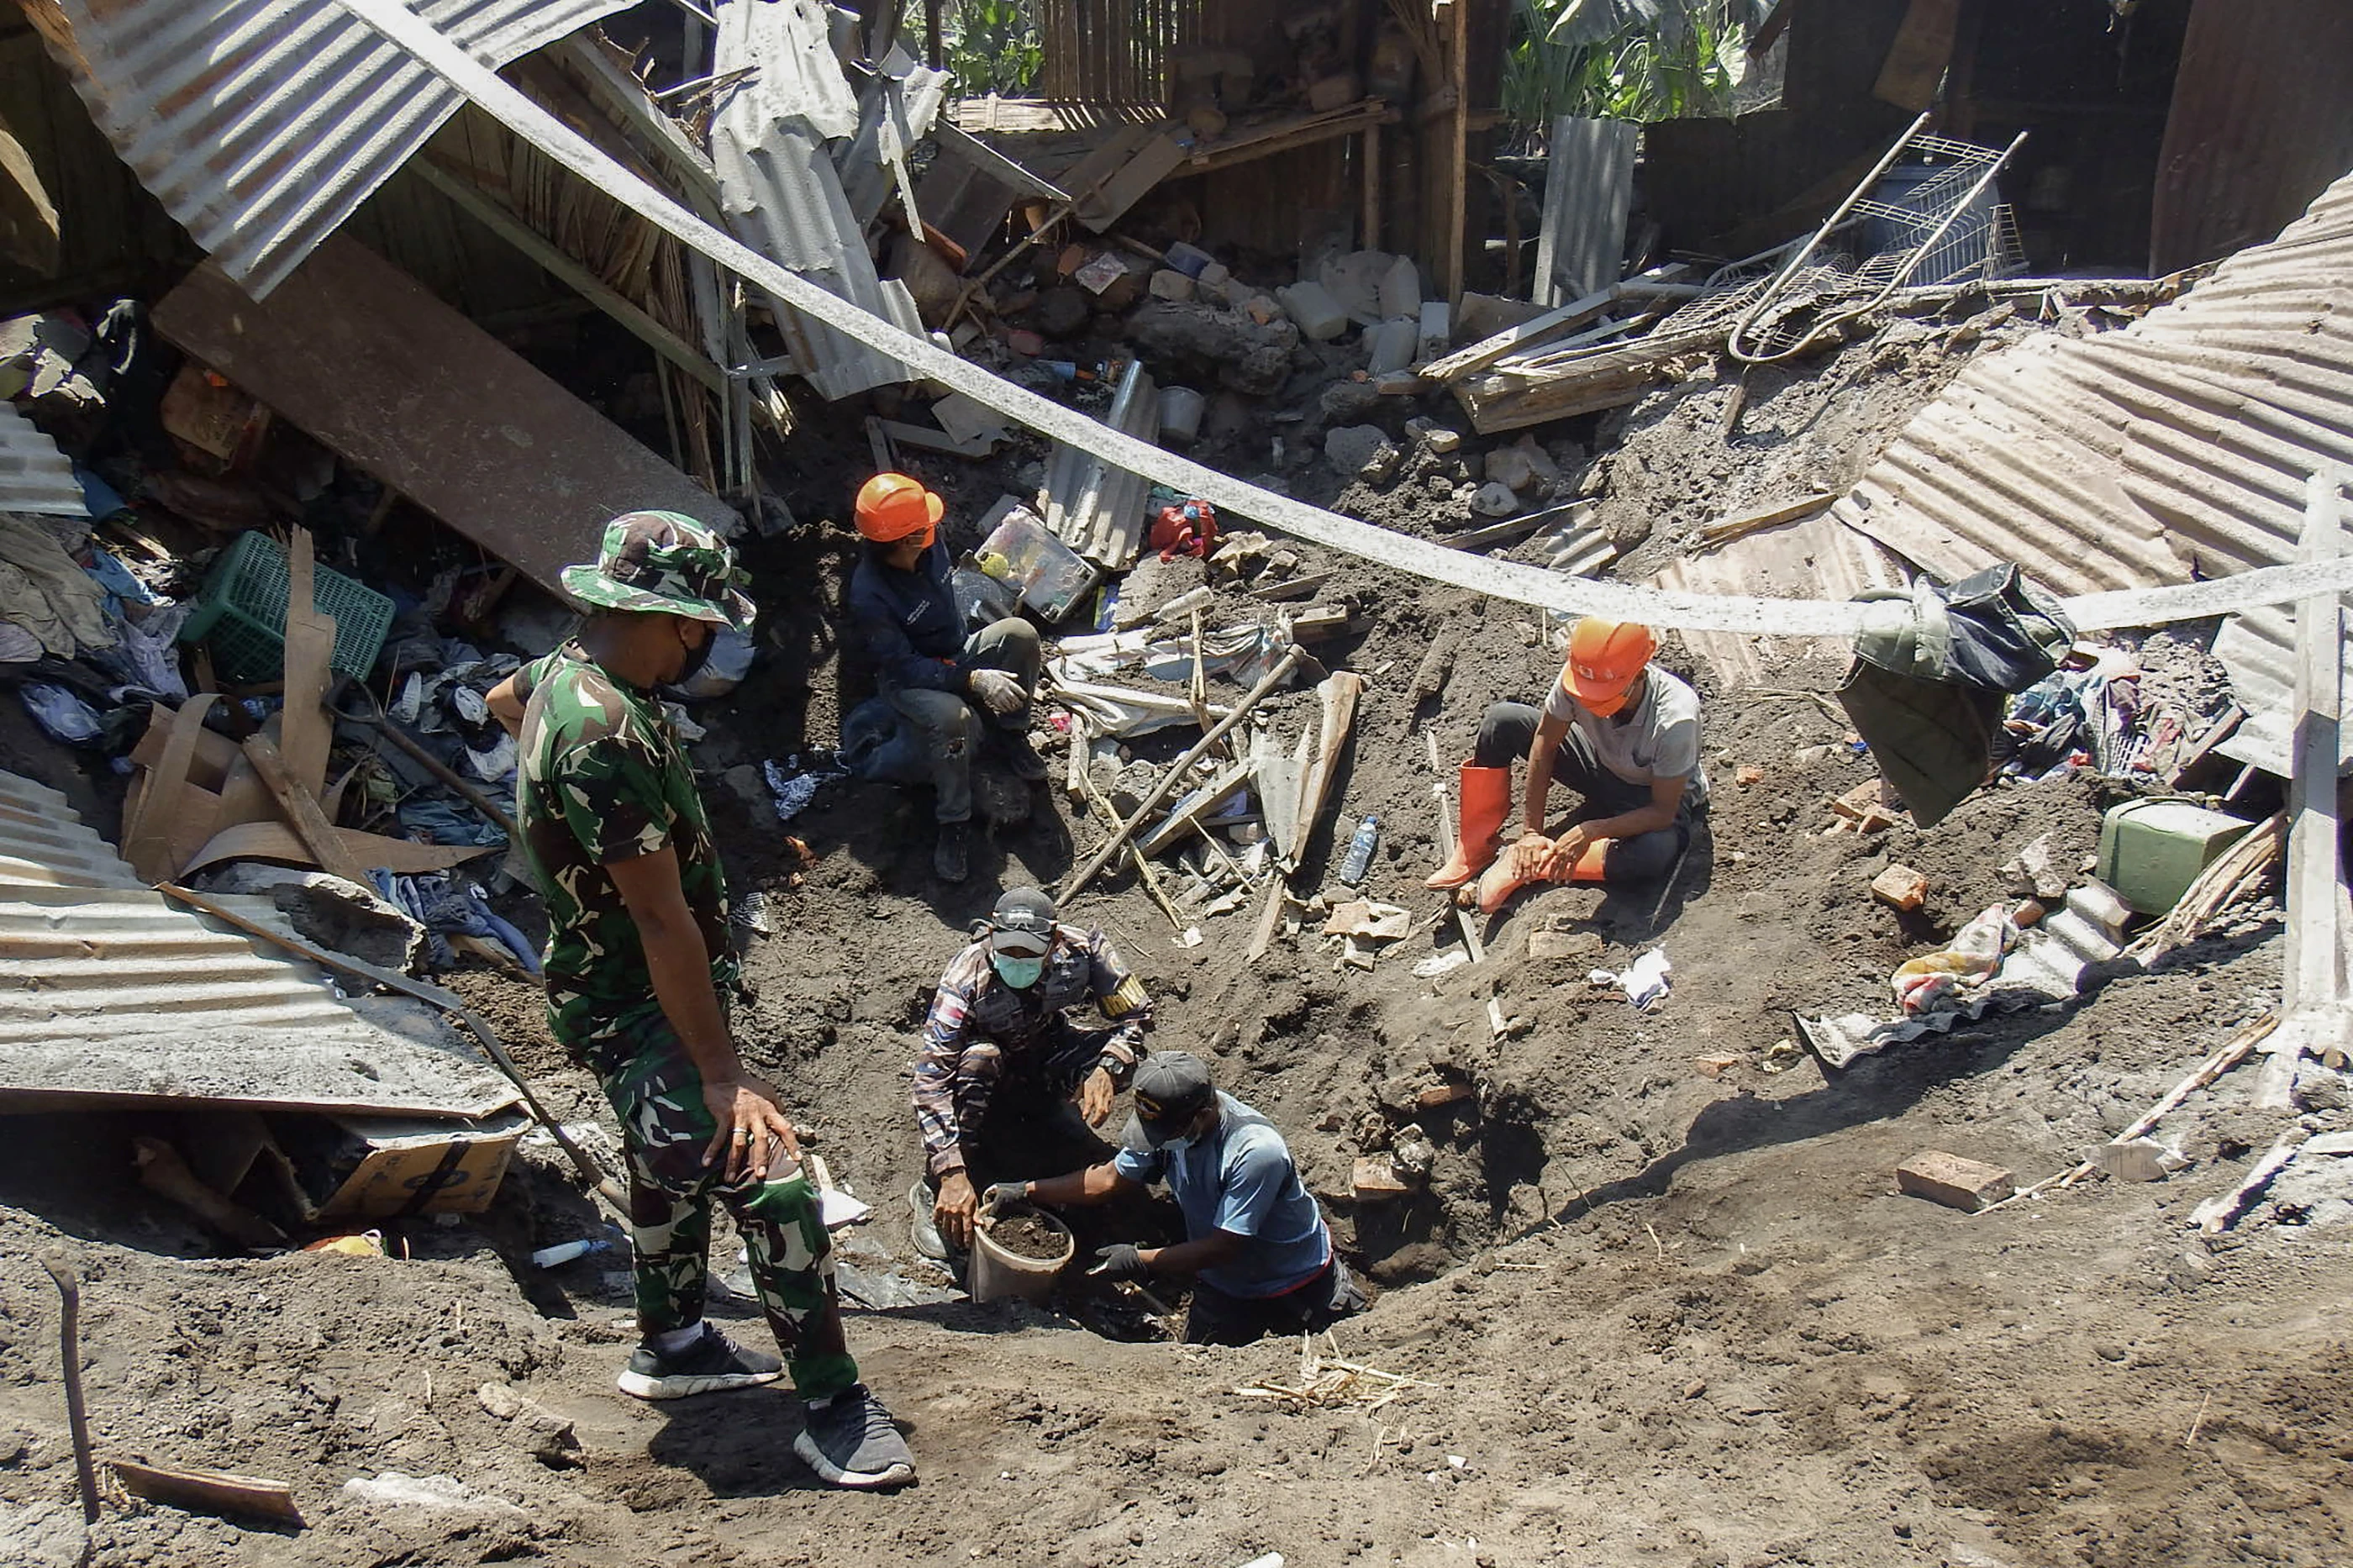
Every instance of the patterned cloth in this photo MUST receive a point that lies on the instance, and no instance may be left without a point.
(603, 779)
(982, 1031)
(663, 562)
(665, 1127)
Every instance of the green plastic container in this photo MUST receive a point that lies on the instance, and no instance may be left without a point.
(242, 613)
(2151, 850)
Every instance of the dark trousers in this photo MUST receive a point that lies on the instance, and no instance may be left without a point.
(1014, 1113)
(1507, 731)
(950, 724)
(1216, 1318)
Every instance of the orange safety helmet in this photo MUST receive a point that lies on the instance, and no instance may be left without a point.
(891, 506)
(1605, 660)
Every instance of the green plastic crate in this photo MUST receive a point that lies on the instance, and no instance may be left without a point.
(242, 613)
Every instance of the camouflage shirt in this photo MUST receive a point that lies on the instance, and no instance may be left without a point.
(603, 779)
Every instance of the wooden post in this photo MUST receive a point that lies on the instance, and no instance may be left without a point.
(1457, 152)
(302, 814)
(1369, 149)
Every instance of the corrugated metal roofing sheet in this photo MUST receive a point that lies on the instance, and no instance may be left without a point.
(34, 476)
(1818, 558)
(2179, 445)
(779, 188)
(110, 990)
(261, 124)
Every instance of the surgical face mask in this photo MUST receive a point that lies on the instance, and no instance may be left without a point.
(1018, 972)
(696, 656)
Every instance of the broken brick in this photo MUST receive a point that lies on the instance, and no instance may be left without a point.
(1717, 1066)
(1376, 1180)
(1442, 1094)
(1900, 886)
(1749, 774)
(1956, 1182)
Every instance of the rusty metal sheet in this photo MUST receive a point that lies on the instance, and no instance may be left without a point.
(35, 477)
(2260, 122)
(114, 995)
(1817, 558)
(360, 355)
(261, 124)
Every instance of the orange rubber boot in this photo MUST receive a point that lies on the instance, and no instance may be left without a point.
(1486, 801)
(1516, 870)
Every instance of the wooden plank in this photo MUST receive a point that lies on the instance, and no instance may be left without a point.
(1154, 161)
(1535, 330)
(558, 264)
(1193, 807)
(902, 434)
(301, 812)
(1588, 189)
(1724, 530)
(169, 808)
(305, 735)
(1455, 173)
(209, 1491)
(2317, 922)
(1917, 59)
(365, 361)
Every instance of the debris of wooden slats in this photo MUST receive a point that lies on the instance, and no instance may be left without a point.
(1192, 809)
(1724, 530)
(1512, 396)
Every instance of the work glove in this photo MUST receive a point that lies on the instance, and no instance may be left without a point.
(1120, 1262)
(1002, 1193)
(995, 690)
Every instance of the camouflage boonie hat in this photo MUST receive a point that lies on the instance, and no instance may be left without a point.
(665, 562)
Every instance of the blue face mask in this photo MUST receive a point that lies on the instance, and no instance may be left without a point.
(1018, 972)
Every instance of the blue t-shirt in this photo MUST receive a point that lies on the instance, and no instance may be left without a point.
(1241, 1179)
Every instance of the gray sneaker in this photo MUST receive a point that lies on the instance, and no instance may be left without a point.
(922, 1229)
(849, 1441)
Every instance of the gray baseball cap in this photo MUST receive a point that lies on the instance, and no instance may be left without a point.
(1170, 1088)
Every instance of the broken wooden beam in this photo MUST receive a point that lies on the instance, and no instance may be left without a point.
(1193, 809)
(1076, 881)
(302, 812)
(209, 1491)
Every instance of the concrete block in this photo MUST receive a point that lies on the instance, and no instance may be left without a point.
(1956, 1182)
(1389, 345)
(1311, 305)
(1167, 283)
(1213, 277)
(1401, 290)
(1900, 886)
(1433, 329)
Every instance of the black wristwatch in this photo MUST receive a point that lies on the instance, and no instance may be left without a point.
(1116, 1069)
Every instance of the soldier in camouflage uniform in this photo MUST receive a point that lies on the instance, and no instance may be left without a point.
(638, 965)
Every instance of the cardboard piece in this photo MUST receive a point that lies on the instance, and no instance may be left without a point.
(376, 1167)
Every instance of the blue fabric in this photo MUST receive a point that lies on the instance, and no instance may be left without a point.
(1241, 1179)
(906, 623)
(114, 577)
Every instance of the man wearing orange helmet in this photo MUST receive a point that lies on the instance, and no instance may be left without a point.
(1616, 728)
(902, 614)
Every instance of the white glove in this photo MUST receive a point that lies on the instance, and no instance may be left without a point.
(997, 691)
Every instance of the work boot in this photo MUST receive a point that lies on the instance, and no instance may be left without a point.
(711, 1363)
(849, 1440)
(1486, 801)
(922, 1228)
(950, 858)
(1022, 757)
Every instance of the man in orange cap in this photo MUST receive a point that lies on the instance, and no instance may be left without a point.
(952, 691)
(1619, 730)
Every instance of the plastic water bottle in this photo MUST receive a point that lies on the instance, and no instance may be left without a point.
(1360, 852)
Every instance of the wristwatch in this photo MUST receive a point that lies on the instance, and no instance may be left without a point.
(1117, 1069)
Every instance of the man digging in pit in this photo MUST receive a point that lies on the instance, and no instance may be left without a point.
(638, 963)
(1006, 1083)
(1255, 1242)
(902, 611)
(1617, 729)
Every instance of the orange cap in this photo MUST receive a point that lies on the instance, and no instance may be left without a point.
(891, 506)
(1605, 660)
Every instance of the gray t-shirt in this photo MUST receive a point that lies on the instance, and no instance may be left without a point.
(1657, 738)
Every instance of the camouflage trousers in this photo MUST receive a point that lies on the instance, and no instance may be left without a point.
(657, 1093)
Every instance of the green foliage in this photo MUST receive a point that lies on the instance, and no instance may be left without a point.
(1625, 60)
(992, 45)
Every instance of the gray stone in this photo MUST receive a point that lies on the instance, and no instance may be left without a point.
(1349, 447)
(1347, 401)
(1509, 467)
(1495, 501)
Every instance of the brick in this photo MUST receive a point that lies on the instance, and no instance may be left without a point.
(1442, 1094)
(1717, 1066)
(1749, 774)
(1900, 886)
(1956, 1182)
(1168, 283)
(1375, 1180)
